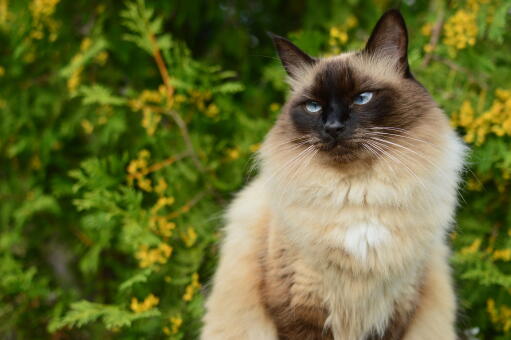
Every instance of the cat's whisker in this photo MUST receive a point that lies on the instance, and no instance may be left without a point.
(289, 145)
(409, 150)
(403, 136)
(288, 164)
(302, 164)
(410, 157)
(386, 150)
(380, 155)
(296, 161)
(387, 128)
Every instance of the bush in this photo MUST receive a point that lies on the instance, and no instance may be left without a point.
(127, 126)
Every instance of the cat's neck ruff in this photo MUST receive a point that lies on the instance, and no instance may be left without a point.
(362, 208)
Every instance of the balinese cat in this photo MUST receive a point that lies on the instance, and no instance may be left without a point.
(342, 235)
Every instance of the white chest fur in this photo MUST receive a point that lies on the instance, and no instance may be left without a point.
(361, 238)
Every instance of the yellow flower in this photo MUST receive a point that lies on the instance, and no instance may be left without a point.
(254, 147)
(176, 322)
(150, 120)
(338, 37)
(474, 247)
(499, 316)
(466, 115)
(162, 202)
(42, 8)
(4, 11)
(149, 302)
(179, 98)
(74, 80)
(165, 249)
(351, 22)
(144, 154)
(85, 44)
(474, 185)
(503, 254)
(164, 227)
(426, 29)
(189, 237)
(503, 94)
(148, 257)
(145, 184)
(212, 111)
(490, 307)
(192, 288)
(151, 96)
(161, 186)
(87, 126)
(496, 120)
(428, 48)
(274, 107)
(233, 153)
(146, 102)
(334, 31)
(460, 30)
(101, 58)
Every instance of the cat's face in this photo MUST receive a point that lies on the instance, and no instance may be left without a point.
(351, 106)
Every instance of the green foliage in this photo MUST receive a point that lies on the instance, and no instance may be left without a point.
(126, 127)
(84, 312)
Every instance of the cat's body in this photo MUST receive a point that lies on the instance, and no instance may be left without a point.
(344, 241)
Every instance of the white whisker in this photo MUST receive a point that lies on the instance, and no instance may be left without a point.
(387, 150)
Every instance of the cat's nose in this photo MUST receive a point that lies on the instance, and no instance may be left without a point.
(334, 128)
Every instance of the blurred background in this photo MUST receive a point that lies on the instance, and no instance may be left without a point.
(126, 127)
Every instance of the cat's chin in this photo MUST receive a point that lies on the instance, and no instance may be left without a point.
(343, 152)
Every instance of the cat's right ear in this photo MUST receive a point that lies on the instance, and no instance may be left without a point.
(294, 60)
(390, 39)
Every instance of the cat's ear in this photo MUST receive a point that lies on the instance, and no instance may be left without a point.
(295, 61)
(389, 39)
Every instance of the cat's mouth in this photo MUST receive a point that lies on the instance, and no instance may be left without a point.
(346, 148)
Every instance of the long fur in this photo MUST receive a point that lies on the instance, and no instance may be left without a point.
(316, 249)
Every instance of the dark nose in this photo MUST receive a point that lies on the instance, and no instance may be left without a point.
(334, 128)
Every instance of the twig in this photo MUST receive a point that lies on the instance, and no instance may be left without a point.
(185, 208)
(435, 36)
(158, 166)
(173, 114)
(458, 68)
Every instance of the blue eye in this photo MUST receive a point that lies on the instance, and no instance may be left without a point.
(363, 98)
(312, 106)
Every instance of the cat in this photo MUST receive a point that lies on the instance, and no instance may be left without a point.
(342, 235)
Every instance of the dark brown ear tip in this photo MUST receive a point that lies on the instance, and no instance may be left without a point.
(271, 34)
(277, 38)
(395, 15)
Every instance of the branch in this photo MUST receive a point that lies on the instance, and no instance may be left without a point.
(185, 208)
(435, 36)
(158, 166)
(164, 73)
(458, 68)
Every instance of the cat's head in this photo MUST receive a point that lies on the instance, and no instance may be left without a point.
(352, 106)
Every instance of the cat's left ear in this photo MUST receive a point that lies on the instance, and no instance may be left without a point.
(389, 39)
(294, 60)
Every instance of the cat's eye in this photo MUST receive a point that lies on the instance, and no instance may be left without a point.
(363, 98)
(312, 106)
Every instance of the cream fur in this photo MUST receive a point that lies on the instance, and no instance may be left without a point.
(365, 237)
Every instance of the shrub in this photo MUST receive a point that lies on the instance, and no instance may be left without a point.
(126, 127)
